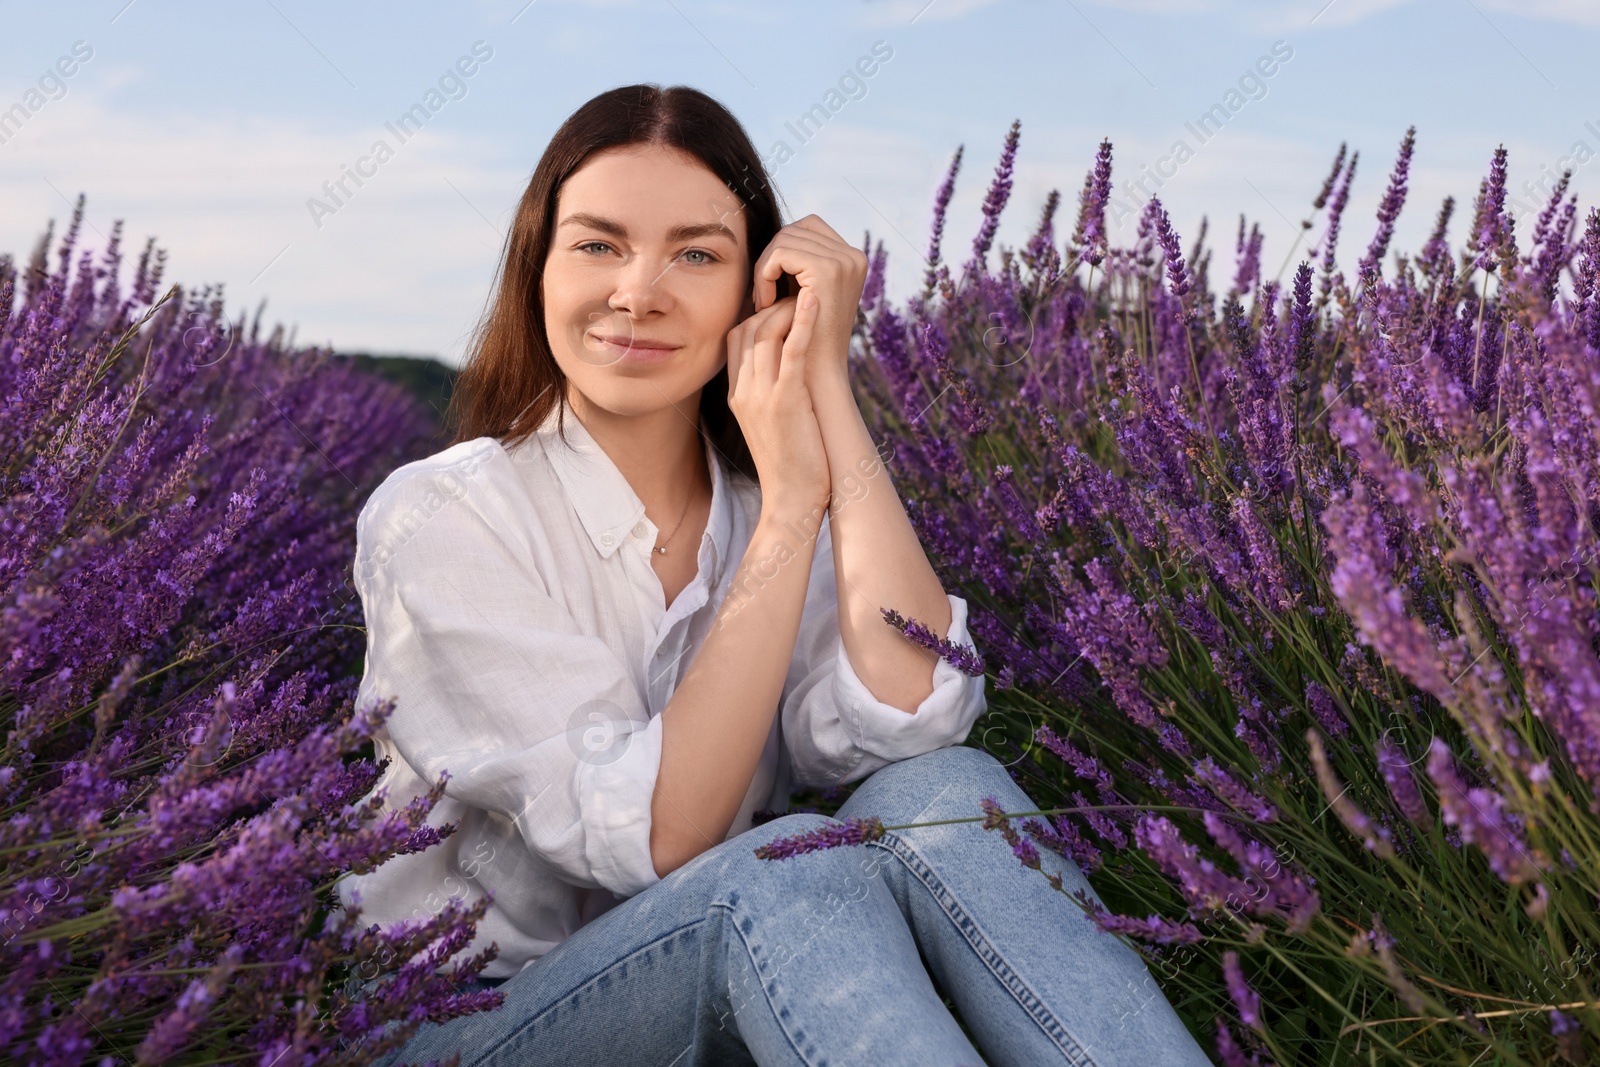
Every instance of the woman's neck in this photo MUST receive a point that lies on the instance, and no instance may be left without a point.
(661, 454)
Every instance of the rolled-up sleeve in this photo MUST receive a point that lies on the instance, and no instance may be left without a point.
(495, 683)
(834, 730)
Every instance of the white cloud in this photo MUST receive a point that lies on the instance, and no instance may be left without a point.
(1177, 7)
(904, 12)
(403, 265)
(1350, 12)
(1318, 14)
(1575, 12)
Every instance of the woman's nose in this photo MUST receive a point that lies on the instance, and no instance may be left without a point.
(641, 285)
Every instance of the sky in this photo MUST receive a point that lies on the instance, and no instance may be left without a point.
(220, 129)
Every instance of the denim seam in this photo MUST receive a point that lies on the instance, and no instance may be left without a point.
(577, 989)
(733, 924)
(1053, 1027)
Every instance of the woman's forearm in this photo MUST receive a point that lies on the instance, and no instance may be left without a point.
(878, 560)
(717, 721)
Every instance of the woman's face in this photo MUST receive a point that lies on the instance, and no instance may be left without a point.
(647, 272)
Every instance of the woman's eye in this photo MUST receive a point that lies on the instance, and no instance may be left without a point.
(592, 244)
(699, 252)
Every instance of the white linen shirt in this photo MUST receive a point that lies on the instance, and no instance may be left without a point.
(513, 615)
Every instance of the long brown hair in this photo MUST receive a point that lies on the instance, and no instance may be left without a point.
(511, 381)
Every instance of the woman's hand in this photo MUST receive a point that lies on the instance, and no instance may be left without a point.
(834, 272)
(767, 359)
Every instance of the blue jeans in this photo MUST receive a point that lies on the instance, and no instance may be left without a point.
(832, 957)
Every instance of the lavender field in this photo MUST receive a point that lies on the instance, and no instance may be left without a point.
(1288, 584)
(1285, 585)
(180, 648)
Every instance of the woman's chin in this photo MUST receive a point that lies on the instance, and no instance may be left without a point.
(632, 395)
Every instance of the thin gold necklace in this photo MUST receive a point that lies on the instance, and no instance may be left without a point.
(663, 547)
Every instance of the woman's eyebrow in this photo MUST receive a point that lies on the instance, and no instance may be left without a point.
(684, 232)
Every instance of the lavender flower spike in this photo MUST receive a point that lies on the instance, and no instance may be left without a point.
(1177, 269)
(995, 201)
(1587, 304)
(1491, 227)
(1245, 1000)
(1154, 928)
(1478, 813)
(963, 658)
(1394, 199)
(1228, 1049)
(1375, 838)
(941, 204)
(1402, 786)
(1090, 236)
(995, 818)
(850, 831)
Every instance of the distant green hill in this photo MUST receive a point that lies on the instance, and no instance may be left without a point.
(424, 377)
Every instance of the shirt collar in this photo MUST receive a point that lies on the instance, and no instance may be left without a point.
(606, 504)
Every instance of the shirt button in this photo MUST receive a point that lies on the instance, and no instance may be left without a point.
(606, 539)
(639, 529)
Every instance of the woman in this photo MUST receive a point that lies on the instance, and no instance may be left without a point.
(638, 599)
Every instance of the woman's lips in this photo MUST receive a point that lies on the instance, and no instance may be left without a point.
(635, 351)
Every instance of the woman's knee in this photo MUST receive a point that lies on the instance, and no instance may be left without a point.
(947, 778)
(952, 768)
(961, 759)
(837, 869)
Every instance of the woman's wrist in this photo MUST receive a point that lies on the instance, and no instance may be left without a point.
(829, 386)
(787, 509)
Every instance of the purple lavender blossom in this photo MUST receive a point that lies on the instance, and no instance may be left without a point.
(1323, 709)
(1236, 796)
(1587, 304)
(1090, 236)
(994, 202)
(1110, 628)
(995, 818)
(850, 831)
(1245, 1000)
(1026, 851)
(1374, 837)
(1321, 198)
(1491, 227)
(1396, 770)
(873, 286)
(1229, 1052)
(1177, 270)
(1435, 256)
(1085, 766)
(1480, 815)
(963, 658)
(970, 411)
(1155, 929)
(1040, 254)
(1362, 582)
(1394, 199)
(1205, 888)
(1277, 891)
(941, 204)
(1064, 839)
(1330, 239)
(1152, 928)
(1302, 327)
(1249, 251)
